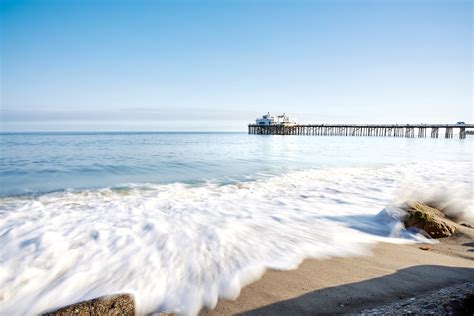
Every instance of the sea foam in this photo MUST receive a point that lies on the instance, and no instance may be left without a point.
(179, 247)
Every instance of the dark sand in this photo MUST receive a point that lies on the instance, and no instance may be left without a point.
(348, 285)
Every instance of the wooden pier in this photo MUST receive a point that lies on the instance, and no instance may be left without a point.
(381, 130)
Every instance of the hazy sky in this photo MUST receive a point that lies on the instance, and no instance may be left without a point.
(216, 65)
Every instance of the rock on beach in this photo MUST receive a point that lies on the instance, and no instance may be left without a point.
(113, 305)
(426, 218)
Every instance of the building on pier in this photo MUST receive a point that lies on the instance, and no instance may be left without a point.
(269, 120)
(265, 120)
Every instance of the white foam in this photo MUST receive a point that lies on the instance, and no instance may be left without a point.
(178, 247)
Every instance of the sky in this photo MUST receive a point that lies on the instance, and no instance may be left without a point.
(216, 65)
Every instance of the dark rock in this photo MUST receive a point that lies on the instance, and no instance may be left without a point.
(467, 225)
(455, 300)
(114, 305)
(462, 306)
(426, 248)
(428, 219)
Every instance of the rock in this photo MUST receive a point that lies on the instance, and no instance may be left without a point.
(467, 225)
(114, 305)
(455, 300)
(425, 248)
(428, 219)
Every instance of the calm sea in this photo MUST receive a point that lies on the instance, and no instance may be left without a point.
(180, 219)
(45, 162)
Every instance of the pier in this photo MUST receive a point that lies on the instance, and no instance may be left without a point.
(380, 130)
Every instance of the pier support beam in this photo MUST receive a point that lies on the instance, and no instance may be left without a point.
(449, 132)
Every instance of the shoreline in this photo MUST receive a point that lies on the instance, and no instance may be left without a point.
(393, 272)
(416, 278)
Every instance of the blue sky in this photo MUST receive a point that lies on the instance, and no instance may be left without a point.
(216, 65)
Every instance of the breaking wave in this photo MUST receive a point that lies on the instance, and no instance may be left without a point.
(178, 247)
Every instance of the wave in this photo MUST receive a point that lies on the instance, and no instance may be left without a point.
(179, 247)
(453, 199)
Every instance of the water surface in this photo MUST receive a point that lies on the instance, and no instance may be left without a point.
(181, 219)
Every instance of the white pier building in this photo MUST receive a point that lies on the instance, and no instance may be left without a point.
(268, 119)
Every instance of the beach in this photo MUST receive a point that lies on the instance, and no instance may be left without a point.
(420, 279)
(389, 274)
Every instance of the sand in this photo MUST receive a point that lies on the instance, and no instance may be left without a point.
(347, 285)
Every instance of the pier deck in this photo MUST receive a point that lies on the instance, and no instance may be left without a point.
(381, 130)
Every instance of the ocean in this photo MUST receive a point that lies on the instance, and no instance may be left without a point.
(182, 219)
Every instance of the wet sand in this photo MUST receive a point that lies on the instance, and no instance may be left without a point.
(347, 285)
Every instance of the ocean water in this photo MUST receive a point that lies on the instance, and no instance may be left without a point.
(182, 219)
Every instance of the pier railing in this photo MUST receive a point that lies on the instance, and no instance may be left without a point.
(381, 130)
